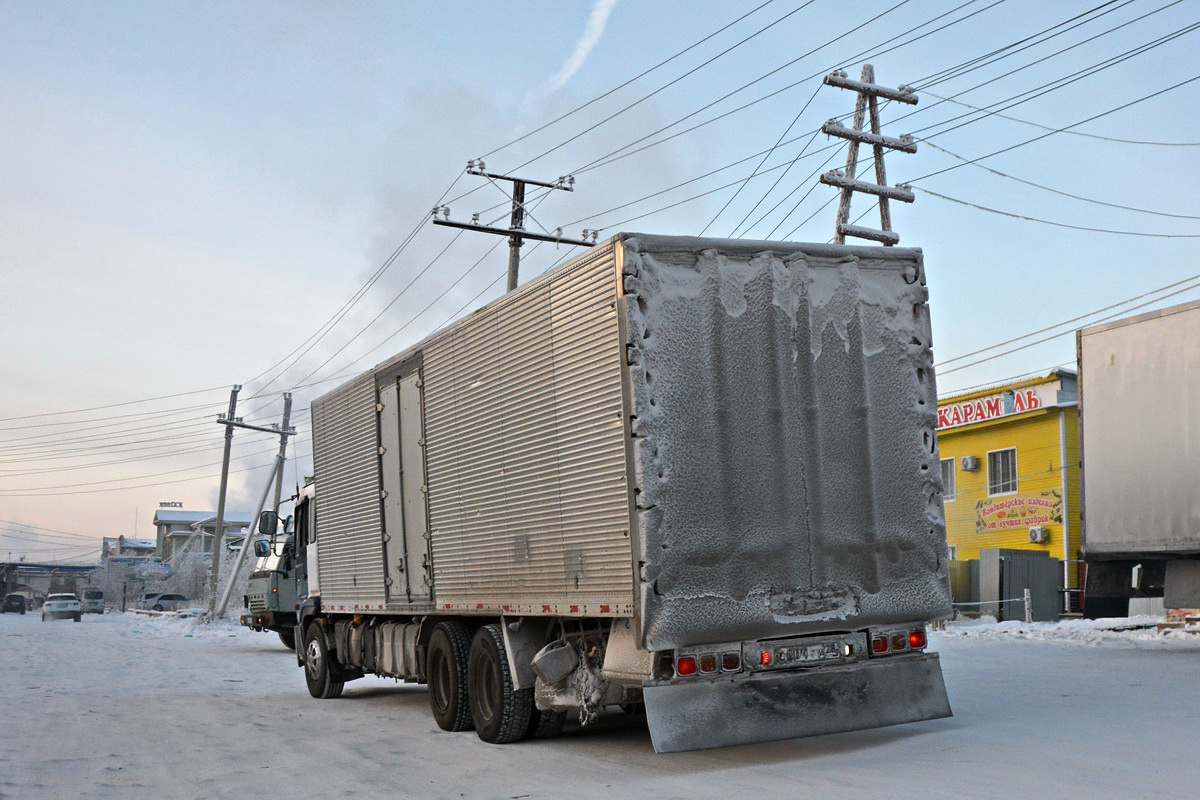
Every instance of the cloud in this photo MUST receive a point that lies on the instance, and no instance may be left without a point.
(591, 36)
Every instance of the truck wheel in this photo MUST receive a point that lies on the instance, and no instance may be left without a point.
(545, 724)
(288, 637)
(501, 713)
(78, 617)
(319, 666)
(157, 608)
(449, 651)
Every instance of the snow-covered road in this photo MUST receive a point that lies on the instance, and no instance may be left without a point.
(128, 706)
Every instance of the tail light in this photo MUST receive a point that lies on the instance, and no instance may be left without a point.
(731, 662)
(885, 643)
(708, 662)
(685, 665)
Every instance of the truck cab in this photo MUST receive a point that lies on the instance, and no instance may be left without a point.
(279, 578)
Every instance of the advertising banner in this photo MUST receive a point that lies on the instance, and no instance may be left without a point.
(1018, 511)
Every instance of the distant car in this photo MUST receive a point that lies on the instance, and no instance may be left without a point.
(92, 600)
(61, 606)
(161, 602)
(13, 604)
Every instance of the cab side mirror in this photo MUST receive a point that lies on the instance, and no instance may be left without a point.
(262, 548)
(268, 522)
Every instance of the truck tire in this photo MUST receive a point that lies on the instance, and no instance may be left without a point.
(501, 713)
(288, 637)
(448, 654)
(545, 724)
(319, 669)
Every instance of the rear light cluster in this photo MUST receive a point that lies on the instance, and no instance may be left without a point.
(707, 663)
(898, 641)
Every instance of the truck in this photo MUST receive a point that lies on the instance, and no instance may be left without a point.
(272, 590)
(693, 476)
(1139, 378)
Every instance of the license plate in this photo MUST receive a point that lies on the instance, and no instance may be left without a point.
(807, 653)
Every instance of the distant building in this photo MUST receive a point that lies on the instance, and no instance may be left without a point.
(1010, 468)
(122, 546)
(178, 528)
(37, 579)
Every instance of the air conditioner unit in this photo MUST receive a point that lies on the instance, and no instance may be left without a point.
(1038, 534)
(970, 463)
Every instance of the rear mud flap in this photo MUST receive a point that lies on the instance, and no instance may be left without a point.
(743, 709)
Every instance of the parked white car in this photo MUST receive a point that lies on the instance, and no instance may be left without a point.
(162, 602)
(62, 606)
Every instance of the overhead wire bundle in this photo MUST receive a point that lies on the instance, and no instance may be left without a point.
(755, 195)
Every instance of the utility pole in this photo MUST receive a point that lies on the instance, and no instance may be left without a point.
(276, 479)
(515, 231)
(287, 419)
(230, 422)
(218, 538)
(868, 94)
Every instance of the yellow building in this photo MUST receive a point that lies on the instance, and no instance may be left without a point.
(1010, 467)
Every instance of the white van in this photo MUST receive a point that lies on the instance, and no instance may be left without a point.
(92, 600)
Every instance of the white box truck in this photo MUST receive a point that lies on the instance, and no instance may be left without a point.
(695, 474)
(1139, 379)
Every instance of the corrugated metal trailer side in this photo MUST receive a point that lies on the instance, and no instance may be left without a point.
(349, 522)
(525, 451)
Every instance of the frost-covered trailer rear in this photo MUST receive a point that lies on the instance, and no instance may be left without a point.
(695, 473)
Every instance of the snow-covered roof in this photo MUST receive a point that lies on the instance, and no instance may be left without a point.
(1060, 373)
(169, 515)
(141, 544)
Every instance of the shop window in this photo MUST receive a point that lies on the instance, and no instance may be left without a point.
(948, 480)
(1002, 471)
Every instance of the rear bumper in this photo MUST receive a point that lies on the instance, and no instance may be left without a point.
(268, 620)
(746, 708)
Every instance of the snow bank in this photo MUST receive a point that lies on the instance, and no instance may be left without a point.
(1132, 632)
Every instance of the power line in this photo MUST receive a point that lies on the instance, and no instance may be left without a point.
(609, 158)
(1060, 83)
(1028, 218)
(1013, 48)
(1050, 86)
(1092, 118)
(1064, 333)
(773, 148)
(111, 405)
(672, 82)
(4, 492)
(1060, 192)
(1070, 321)
(1072, 133)
(637, 77)
(139, 486)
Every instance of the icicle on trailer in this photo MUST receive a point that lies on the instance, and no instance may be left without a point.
(697, 474)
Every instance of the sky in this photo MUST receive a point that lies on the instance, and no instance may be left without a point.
(198, 195)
